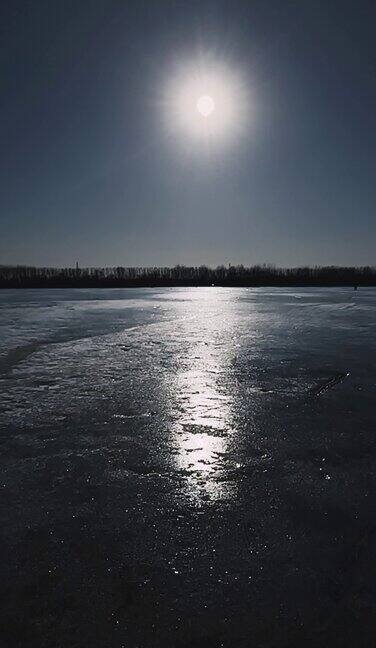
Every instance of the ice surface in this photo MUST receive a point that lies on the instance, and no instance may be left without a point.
(188, 467)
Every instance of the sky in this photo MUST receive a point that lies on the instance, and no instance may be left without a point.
(95, 166)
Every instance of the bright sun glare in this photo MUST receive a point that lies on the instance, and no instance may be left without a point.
(205, 105)
(205, 100)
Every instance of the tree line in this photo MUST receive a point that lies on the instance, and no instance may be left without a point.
(232, 275)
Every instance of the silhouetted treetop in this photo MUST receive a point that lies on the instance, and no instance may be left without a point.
(119, 276)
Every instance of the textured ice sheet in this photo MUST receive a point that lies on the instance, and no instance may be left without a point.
(188, 467)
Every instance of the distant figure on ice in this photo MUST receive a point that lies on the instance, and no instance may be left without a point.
(355, 287)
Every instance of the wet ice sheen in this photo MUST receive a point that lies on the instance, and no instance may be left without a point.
(220, 437)
(202, 364)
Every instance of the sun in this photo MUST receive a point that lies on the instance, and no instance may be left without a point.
(206, 100)
(205, 105)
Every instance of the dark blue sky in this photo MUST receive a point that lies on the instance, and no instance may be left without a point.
(89, 172)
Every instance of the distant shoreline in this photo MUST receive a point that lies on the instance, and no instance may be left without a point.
(182, 276)
(87, 287)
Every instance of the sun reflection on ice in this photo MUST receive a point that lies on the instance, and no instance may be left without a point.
(204, 426)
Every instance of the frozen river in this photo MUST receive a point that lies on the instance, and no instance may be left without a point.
(188, 468)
